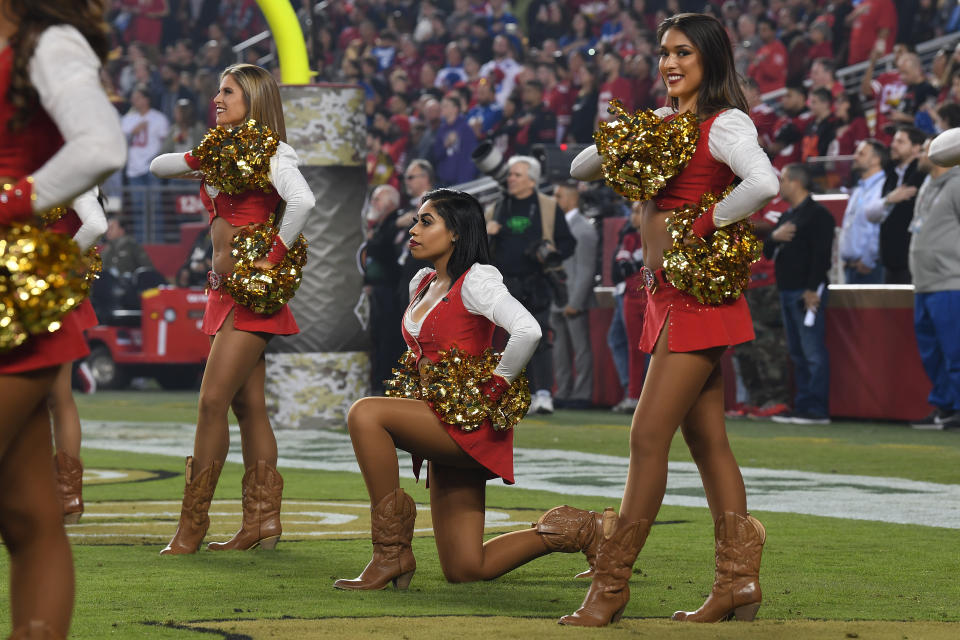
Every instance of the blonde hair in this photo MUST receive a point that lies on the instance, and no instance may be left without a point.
(261, 95)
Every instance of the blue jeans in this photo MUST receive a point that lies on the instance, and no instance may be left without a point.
(852, 276)
(808, 351)
(618, 343)
(935, 317)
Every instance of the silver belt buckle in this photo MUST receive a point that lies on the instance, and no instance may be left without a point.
(214, 280)
(649, 279)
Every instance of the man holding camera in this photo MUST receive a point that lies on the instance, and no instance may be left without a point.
(529, 240)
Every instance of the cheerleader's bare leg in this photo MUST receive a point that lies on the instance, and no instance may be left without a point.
(41, 567)
(234, 355)
(379, 426)
(66, 438)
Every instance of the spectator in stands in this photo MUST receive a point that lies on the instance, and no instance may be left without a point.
(853, 127)
(557, 97)
(538, 124)
(819, 36)
(485, 115)
(899, 197)
(871, 22)
(763, 115)
(822, 76)
(185, 133)
(175, 89)
(121, 253)
(769, 65)
(583, 114)
(572, 355)
(380, 166)
(381, 279)
(146, 129)
(822, 128)
(615, 85)
(788, 132)
(432, 119)
(860, 238)
(947, 116)
(452, 74)
(525, 229)
(887, 89)
(800, 246)
(580, 37)
(503, 62)
(935, 265)
(454, 143)
(919, 92)
(746, 44)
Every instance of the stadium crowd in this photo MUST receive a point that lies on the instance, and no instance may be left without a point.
(440, 77)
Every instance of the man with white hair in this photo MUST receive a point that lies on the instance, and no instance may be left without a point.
(378, 257)
(530, 240)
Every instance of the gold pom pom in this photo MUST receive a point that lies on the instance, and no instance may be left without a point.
(715, 270)
(640, 152)
(95, 260)
(452, 387)
(238, 159)
(42, 277)
(50, 216)
(264, 290)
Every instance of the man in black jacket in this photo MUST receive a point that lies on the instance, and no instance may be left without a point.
(899, 198)
(381, 274)
(529, 240)
(800, 246)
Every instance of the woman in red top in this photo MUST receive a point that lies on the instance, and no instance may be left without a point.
(60, 136)
(686, 338)
(236, 368)
(456, 304)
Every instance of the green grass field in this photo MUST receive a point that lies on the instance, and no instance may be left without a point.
(822, 577)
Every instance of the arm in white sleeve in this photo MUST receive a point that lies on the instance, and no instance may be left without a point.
(293, 188)
(93, 222)
(484, 293)
(173, 165)
(66, 73)
(733, 141)
(945, 148)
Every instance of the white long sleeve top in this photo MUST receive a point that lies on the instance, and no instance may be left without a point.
(93, 222)
(484, 294)
(284, 175)
(733, 141)
(66, 74)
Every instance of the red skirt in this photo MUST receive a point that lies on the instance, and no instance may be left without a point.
(85, 316)
(220, 303)
(491, 448)
(693, 326)
(47, 350)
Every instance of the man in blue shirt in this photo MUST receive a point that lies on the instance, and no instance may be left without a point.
(860, 238)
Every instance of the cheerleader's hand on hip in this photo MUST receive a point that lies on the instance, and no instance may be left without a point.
(493, 388)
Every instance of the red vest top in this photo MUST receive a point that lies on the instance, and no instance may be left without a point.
(24, 151)
(703, 174)
(449, 324)
(240, 209)
(68, 225)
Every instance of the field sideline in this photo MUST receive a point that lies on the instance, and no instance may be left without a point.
(823, 577)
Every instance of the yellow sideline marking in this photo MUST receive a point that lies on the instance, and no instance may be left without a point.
(503, 628)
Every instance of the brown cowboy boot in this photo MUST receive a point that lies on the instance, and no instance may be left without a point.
(391, 527)
(610, 590)
(34, 630)
(262, 490)
(568, 530)
(194, 521)
(736, 587)
(70, 486)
